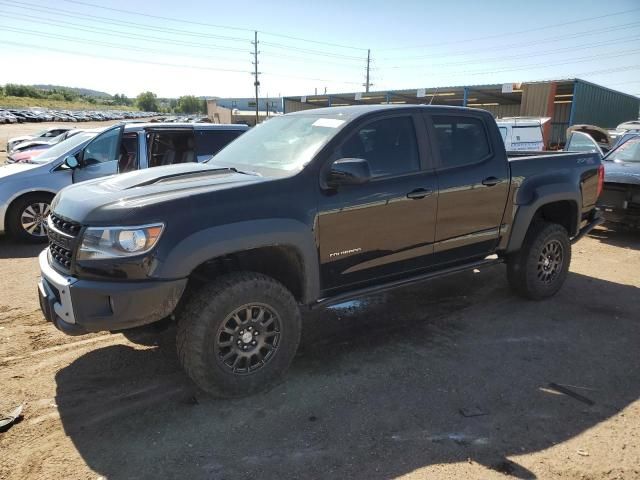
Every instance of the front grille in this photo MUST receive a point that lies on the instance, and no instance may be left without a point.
(65, 226)
(62, 238)
(60, 254)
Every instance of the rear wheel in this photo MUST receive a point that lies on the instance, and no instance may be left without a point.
(27, 217)
(239, 334)
(540, 268)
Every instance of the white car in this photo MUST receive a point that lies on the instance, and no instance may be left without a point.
(46, 134)
(522, 133)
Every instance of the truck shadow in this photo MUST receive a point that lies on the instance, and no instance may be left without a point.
(617, 235)
(456, 370)
(11, 249)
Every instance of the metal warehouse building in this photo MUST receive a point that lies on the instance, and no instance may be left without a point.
(567, 102)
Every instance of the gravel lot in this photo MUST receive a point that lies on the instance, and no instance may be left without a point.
(376, 392)
(446, 380)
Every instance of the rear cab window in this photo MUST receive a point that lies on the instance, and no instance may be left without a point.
(461, 140)
(528, 134)
(210, 141)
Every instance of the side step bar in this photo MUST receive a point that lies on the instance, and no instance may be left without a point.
(587, 228)
(343, 297)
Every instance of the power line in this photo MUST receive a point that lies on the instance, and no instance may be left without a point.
(521, 44)
(503, 57)
(77, 26)
(131, 60)
(94, 18)
(546, 64)
(191, 22)
(508, 34)
(112, 21)
(311, 51)
(278, 55)
(164, 64)
(115, 45)
(111, 33)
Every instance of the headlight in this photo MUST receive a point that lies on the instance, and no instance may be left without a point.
(113, 242)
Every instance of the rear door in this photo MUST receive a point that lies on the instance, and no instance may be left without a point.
(473, 183)
(100, 157)
(211, 141)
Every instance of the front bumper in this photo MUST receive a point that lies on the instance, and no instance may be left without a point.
(77, 306)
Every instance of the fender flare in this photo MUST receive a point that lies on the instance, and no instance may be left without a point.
(541, 196)
(214, 242)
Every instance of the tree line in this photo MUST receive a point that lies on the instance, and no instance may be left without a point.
(146, 101)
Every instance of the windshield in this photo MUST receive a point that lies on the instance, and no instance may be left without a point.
(285, 143)
(629, 151)
(63, 148)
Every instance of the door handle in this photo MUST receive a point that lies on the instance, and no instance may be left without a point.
(490, 181)
(419, 193)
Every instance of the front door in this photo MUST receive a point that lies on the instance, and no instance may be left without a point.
(383, 228)
(100, 157)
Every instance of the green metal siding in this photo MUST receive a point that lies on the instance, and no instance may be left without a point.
(595, 105)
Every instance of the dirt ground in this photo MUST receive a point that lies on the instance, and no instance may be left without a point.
(446, 380)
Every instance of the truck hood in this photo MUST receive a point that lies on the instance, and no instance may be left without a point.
(622, 172)
(129, 191)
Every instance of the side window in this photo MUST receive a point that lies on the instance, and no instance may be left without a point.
(103, 149)
(210, 142)
(461, 140)
(128, 160)
(168, 148)
(389, 145)
(581, 142)
(503, 133)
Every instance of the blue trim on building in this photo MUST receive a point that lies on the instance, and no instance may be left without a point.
(573, 102)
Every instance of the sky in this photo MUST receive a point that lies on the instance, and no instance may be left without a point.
(204, 47)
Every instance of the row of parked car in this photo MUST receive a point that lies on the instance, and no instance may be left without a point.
(21, 115)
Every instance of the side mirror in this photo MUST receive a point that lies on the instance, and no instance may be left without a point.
(72, 162)
(349, 171)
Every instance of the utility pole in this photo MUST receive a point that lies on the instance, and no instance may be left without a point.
(366, 85)
(256, 82)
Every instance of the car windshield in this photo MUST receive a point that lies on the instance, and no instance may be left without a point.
(65, 147)
(629, 151)
(281, 144)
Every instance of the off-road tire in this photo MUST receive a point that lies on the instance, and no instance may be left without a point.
(523, 267)
(202, 317)
(14, 223)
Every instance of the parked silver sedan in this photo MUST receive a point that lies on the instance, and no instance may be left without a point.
(27, 189)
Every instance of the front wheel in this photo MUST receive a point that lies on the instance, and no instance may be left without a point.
(27, 218)
(540, 268)
(239, 334)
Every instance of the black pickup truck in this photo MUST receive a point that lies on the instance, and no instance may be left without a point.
(307, 210)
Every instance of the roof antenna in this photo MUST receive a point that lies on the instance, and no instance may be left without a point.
(433, 95)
